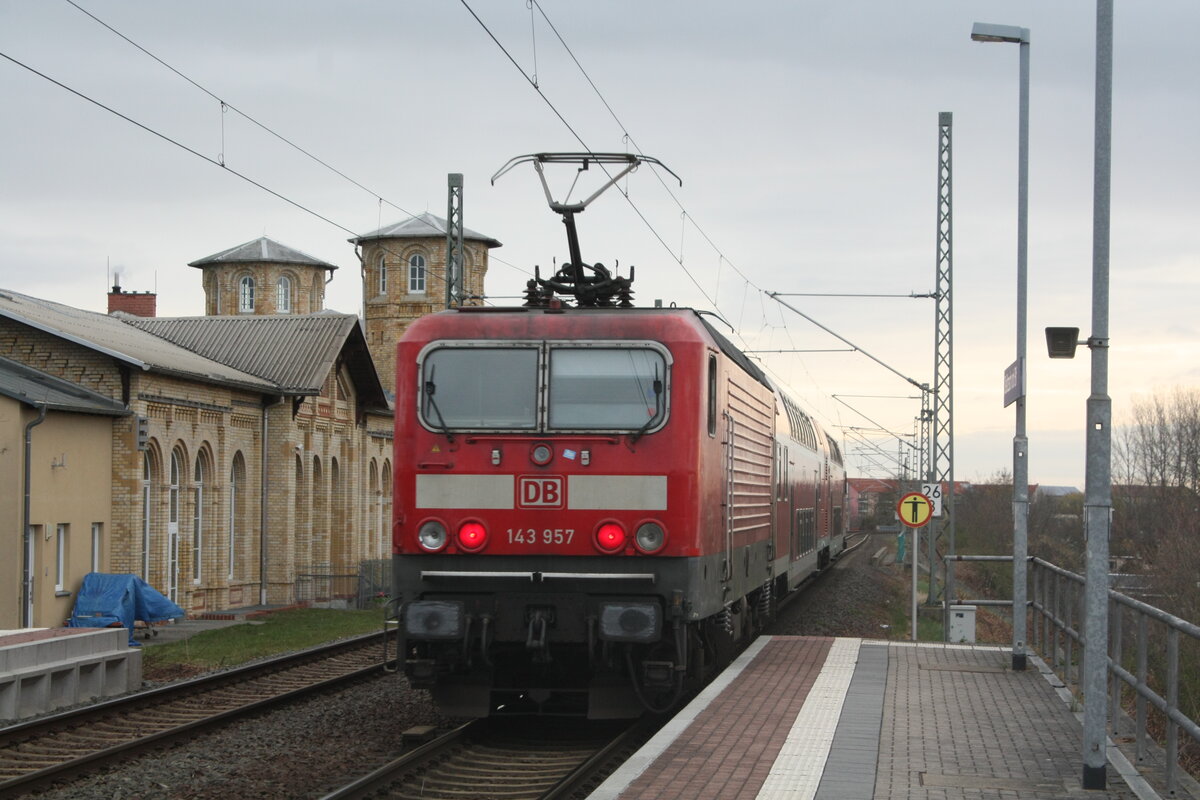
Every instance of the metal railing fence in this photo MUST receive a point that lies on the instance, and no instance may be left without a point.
(1150, 665)
(322, 586)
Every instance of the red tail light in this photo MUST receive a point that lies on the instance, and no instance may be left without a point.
(610, 537)
(472, 536)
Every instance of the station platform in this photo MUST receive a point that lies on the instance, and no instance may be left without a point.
(852, 719)
(43, 669)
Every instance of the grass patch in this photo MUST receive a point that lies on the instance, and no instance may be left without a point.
(929, 628)
(273, 634)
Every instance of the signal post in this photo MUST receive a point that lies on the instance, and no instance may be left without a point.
(915, 510)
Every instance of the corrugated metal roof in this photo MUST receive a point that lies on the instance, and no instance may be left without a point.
(113, 337)
(422, 226)
(294, 351)
(260, 250)
(35, 388)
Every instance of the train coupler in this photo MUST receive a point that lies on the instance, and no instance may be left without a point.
(536, 639)
(658, 674)
(420, 672)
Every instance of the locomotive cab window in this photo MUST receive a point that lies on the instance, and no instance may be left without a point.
(543, 386)
(479, 388)
(606, 389)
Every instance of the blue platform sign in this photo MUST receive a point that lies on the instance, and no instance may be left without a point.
(1014, 382)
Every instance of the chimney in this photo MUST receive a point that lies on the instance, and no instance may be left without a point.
(139, 304)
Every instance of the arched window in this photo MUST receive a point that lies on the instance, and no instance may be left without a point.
(147, 515)
(386, 510)
(237, 480)
(383, 274)
(246, 294)
(200, 477)
(320, 516)
(173, 525)
(283, 295)
(416, 274)
(372, 522)
(338, 535)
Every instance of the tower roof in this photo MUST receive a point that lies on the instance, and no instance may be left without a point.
(422, 226)
(260, 250)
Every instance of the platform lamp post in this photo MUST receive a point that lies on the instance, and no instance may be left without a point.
(1097, 500)
(1014, 378)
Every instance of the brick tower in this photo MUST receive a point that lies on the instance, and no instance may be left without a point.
(263, 277)
(404, 269)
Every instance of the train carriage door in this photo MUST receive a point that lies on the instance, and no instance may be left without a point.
(789, 500)
(818, 493)
(827, 491)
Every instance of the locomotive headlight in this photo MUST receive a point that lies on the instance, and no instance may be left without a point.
(630, 622)
(432, 536)
(433, 619)
(541, 453)
(650, 537)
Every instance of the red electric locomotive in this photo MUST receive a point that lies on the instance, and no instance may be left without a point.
(594, 505)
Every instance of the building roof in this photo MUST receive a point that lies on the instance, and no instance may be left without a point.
(422, 226)
(295, 352)
(1057, 491)
(36, 388)
(872, 485)
(114, 337)
(259, 251)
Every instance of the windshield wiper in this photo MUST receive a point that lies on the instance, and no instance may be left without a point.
(430, 388)
(658, 391)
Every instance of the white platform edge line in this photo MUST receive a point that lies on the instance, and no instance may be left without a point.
(1140, 786)
(797, 771)
(628, 772)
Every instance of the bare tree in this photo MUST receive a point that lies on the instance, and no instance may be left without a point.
(1157, 496)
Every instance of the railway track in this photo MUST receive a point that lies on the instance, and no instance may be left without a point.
(57, 748)
(509, 759)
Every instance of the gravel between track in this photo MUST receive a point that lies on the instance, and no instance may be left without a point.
(855, 598)
(303, 750)
(299, 751)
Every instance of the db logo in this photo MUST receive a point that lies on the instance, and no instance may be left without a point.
(541, 491)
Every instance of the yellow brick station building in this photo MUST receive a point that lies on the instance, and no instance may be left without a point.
(236, 459)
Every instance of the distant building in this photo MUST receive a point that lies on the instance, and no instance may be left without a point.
(57, 435)
(220, 457)
(263, 277)
(404, 269)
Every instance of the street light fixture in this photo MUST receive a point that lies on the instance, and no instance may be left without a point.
(986, 32)
(1061, 342)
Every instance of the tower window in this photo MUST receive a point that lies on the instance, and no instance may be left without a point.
(283, 295)
(416, 274)
(383, 276)
(246, 294)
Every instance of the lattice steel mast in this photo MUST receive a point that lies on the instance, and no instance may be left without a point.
(454, 241)
(942, 442)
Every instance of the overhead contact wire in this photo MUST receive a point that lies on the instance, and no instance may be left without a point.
(225, 104)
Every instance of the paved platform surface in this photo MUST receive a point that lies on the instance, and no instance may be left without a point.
(843, 719)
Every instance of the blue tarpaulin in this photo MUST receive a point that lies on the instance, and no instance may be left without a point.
(109, 600)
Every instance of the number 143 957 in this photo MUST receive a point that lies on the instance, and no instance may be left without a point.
(532, 536)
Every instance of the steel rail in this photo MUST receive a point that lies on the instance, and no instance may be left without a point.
(157, 701)
(462, 737)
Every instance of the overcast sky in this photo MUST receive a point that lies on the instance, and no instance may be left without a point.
(806, 135)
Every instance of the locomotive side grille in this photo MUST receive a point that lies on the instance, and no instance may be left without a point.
(750, 462)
